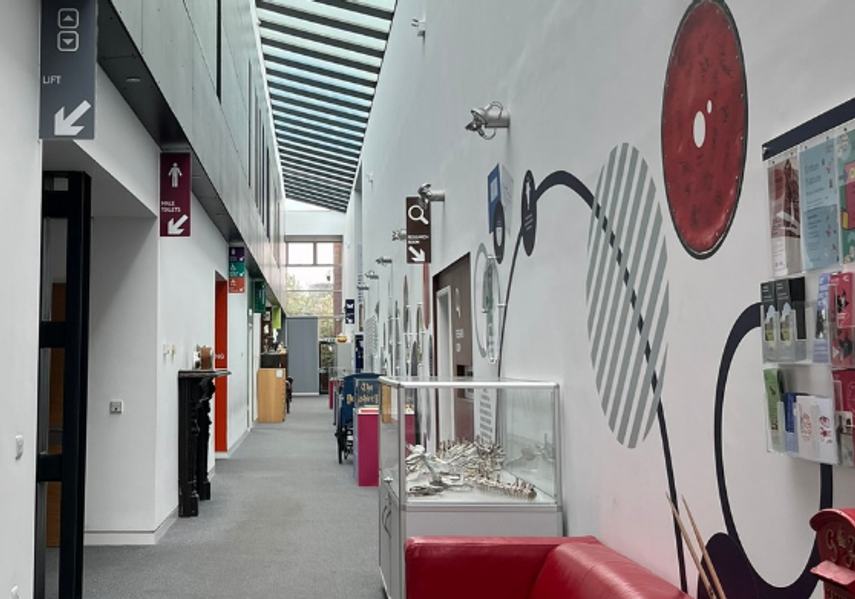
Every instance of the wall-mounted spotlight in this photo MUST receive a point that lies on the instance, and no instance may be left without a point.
(420, 25)
(371, 275)
(428, 194)
(493, 116)
(399, 235)
(383, 260)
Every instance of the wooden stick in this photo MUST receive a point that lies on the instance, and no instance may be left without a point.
(719, 591)
(701, 572)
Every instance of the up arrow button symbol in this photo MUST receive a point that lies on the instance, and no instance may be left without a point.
(69, 18)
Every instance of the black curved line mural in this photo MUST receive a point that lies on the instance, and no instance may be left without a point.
(531, 195)
(803, 586)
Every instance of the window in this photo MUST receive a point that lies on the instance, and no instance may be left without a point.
(301, 253)
(325, 253)
(313, 280)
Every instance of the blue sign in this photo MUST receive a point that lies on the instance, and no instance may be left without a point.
(494, 196)
(359, 343)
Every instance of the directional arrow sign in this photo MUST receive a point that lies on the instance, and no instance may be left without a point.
(174, 227)
(68, 58)
(65, 125)
(175, 194)
(418, 231)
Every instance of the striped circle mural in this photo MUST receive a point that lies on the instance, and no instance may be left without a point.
(627, 295)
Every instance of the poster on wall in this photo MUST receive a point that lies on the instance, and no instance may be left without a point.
(500, 186)
(818, 199)
(237, 270)
(846, 189)
(786, 216)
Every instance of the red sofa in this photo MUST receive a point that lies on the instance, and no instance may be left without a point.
(526, 568)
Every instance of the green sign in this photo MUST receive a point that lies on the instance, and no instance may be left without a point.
(259, 295)
(237, 269)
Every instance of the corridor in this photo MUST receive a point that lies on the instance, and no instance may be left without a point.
(285, 520)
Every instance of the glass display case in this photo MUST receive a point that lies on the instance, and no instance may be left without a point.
(466, 457)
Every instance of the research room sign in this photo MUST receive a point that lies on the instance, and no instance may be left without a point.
(418, 231)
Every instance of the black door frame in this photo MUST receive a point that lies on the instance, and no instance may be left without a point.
(66, 196)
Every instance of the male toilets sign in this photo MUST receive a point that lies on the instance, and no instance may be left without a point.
(68, 57)
(175, 194)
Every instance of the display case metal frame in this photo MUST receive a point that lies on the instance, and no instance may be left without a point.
(401, 516)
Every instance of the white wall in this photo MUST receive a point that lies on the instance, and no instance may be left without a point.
(185, 320)
(176, 41)
(349, 268)
(20, 203)
(579, 79)
(314, 223)
(124, 149)
(120, 465)
(238, 381)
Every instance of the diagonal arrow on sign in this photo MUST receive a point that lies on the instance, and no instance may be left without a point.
(173, 227)
(418, 255)
(64, 125)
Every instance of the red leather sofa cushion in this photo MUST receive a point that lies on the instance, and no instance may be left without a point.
(477, 567)
(526, 568)
(587, 570)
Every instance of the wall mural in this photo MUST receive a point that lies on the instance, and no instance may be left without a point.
(738, 576)
(627, 293)
(624, 177)
(704, 125)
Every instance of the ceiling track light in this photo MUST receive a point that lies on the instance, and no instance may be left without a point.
(420, 26)
(372, 275)
(383, 260)
(363, 286)
(428, 194)
(493, 116)
(399, 235)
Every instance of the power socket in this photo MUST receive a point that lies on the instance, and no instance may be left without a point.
(116, 406)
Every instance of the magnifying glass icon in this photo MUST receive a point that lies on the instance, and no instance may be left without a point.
(416, 212)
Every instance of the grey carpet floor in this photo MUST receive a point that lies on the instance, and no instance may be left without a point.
(285, 520)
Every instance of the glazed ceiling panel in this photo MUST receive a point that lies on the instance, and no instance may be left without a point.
(322, 58)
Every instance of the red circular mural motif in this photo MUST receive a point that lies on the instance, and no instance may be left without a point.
(704, 124)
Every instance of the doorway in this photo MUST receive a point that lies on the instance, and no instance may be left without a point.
(326, 360)
(454, 343)
(444, 361)
(303, 362)
(63, 381)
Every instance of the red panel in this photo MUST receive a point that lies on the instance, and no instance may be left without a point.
(705, 90)
(221, 360)
(366, 452)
